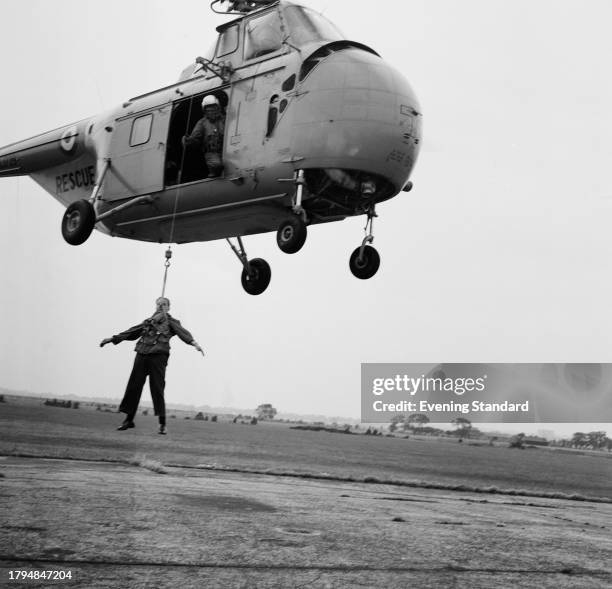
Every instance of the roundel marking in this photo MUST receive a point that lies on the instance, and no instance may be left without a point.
(68, 139)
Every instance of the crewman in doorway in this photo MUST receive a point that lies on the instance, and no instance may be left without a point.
(208, 135)
(152, 353)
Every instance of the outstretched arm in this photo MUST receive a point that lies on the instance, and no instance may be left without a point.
(185, 335)
(129, 334)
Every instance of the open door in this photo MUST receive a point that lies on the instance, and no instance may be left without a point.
(187, 163)
(138, 154)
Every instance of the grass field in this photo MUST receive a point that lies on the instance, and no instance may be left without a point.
(30, 428)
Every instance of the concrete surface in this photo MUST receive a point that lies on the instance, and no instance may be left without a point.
(114, 525)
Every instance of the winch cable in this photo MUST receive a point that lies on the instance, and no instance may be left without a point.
(168, 253)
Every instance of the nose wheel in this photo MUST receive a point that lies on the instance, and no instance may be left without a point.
(365, 260)
(256, 273)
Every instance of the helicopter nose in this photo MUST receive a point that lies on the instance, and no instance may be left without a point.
(356, 112)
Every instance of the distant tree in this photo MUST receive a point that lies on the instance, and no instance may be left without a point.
(199, 416)
(265, 412)
(75, 405)
(397, 421)
(517, 441)
(463, 426)
(417, 420)
(579, 440)
(597, 439)
(173, 417)
(254, 421)
(2, 399)
(213, 418)
(145, 412)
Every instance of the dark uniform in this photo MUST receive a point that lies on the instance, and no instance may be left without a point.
(152, 352)
(209, 136)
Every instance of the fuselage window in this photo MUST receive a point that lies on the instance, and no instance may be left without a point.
(263, 35)
(141, 130)
(228, 41)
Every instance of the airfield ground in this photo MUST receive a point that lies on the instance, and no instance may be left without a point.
(224, 505)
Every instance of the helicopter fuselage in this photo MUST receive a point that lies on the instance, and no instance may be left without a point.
(322, 107)
(317, 128)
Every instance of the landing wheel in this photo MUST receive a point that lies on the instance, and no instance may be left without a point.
(366, 265)
(78, 222)
(258, 279)
(291, 235)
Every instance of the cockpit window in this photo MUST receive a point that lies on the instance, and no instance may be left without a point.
(228, 41)
(263, 35)
(308, 26)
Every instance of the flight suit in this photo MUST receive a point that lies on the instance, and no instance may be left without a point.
(209, 136)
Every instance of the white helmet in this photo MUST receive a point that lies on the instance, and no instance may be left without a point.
(210, 100)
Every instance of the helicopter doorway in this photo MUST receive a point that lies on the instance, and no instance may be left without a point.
(186, 153)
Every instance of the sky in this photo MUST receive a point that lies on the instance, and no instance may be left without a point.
(499, 254)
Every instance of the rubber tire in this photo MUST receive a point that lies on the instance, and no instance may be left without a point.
(259, 279)
(291, 235)
(78, 222)
(369, 264)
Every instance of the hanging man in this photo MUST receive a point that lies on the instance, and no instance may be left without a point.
(208, 135)
(152, 352)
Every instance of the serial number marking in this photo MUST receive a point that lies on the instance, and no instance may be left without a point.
(77, 179)
(36, 575)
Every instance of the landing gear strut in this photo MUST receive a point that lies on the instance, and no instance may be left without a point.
(365, 260)
(256, 273)
(292, 233)
(79, 218)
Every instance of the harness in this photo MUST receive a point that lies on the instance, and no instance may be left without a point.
(150, 327)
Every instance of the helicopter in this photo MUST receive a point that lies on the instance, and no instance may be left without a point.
(316, 128)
